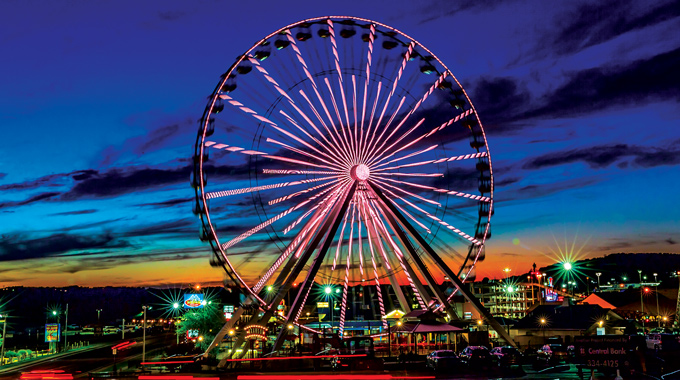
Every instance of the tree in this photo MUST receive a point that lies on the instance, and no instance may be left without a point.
(207, 320)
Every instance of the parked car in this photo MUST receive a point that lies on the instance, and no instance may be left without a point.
(442, 359)
(554, 354)
(658, 342)
(475, 356)
(506, 356)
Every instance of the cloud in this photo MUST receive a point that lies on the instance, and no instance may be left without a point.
(636, 83)
(33, 199)
(168, 203)
(670, 241)
(602, 156)
(498, 97)
(593, 23)
(77, 212)
(18, 247)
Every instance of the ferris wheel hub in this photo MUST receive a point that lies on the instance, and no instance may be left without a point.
(360, 172)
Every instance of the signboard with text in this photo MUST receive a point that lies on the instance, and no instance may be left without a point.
(52, 332)
(193, 301)
(602, 351)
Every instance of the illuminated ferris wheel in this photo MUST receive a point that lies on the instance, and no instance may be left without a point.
(338, 150)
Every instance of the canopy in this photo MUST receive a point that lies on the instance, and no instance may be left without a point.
(424, 328)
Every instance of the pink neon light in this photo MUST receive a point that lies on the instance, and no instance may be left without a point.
(226, 193)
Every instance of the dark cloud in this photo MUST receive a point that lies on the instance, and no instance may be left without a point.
(671, 241)
(597, 89)
(496, 98)
(18, 247)
(35, 198)
(77, 212)
(2, 175)
(156, 138)
(604, 155)
(434, 10)
(506, 181)
(592, 23)
(168, 203)
(184, 227)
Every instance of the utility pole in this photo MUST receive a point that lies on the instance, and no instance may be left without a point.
(66, 330)
(123, 330)
(144, 336)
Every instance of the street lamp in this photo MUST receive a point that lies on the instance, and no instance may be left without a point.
(598, 274)
(567, 266)
(507, 272)
(98, 313)
(656, 290)
(543, 322)
(642, 305)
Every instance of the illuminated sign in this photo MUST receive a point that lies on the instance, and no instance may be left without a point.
(52, 332)
(191, 334)
(228, 311)
(193, 301)
(322, 305)
(550, 295)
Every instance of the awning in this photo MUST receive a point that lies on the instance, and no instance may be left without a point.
(424, 328)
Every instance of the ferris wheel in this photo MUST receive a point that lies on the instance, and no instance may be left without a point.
(338, 150)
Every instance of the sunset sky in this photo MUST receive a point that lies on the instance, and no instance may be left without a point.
(100, 102)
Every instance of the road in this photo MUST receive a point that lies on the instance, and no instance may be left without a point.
(97, 358)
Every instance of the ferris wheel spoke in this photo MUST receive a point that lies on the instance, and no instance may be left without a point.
(337, 189)
(334, 144)
(438, 161)
(300, 172)
(411, 112)
(370, 123)
(311, 225)
(460, 233)
(343, 137)
(356, 120)
(302, 141)
(375, 267)
(399, 174)
(371, 145)
(371, 38)
(404, 61)
(269, 78)
(291, 102)
(383, 184)
(384, 151)
(408, 271)
(375, 166)
(306, 154)
(441, 191)
(334, 44)
(289, 196)
(313, 82)
(220, 146)
(227, 193)
(428, 134)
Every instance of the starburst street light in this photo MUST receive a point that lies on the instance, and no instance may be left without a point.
(567, 266)
(328, 290)
(175, 305)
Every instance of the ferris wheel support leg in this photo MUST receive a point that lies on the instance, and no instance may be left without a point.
(326, 232)
(224, 331)
(443, 267)
(406, 243)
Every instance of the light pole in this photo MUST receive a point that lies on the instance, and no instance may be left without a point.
(66, 329)
(176, 306)
(4, 328)
(98, 313)
(656, 290)
(329, 293)
(543, 328)
(144, 336)
(642, 305)
(598, 274)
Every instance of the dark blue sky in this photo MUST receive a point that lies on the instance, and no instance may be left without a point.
(99, 103)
